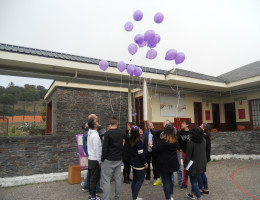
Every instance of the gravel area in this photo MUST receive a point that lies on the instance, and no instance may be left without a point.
(219, 176)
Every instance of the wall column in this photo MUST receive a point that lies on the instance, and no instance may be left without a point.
(129, 105)
(145, 100)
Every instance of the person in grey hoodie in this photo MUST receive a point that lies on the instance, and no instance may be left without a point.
(94, 157)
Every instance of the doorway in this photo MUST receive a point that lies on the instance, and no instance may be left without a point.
(216, 116)
(49, 118)
(197, 113)
(139, 112)
(230, 115)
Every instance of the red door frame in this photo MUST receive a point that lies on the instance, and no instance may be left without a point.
(250, 112)
(49, 117)
(218, 115)
(200, 112)
(139, 114)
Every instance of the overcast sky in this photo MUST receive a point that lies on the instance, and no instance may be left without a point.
(216, 35)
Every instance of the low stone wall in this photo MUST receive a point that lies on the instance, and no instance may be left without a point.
(238, 142)
(22, 156)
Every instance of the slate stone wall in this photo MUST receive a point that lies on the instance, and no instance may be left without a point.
(71, 107)
(238, 142)
(22, 156)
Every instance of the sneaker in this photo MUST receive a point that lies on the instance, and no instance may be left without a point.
(89, 197)
(126, 181)
(172, 198)
(138, 198)
(190, 196)
(157, 182)
(183, 186)
(147, 182)
(84, 189)
(205, 192)
(129, 179)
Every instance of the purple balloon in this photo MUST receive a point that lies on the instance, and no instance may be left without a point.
(121, 66)
(149, 35)
(171, 54)
(132, 48)
(151, 54)
(103, 64)
(179, 58)
(130, 69)
(158, 17)
(138, 15)
(138, 71)
(129, 26)
(139, 39)
(152, 44)
(143, 44)
(157, 38)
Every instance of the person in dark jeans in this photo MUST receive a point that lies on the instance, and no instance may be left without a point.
(94, 158)
(137, 160)
(202, 178)
(196, 156)
(167, 160)
(148, 152)
(126, 156)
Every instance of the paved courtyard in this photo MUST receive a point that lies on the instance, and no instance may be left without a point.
(245, 173)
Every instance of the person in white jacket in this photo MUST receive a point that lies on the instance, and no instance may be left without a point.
(94, 157)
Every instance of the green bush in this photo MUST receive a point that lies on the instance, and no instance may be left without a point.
(13, 129)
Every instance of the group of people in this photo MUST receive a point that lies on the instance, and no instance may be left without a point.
(106, 149)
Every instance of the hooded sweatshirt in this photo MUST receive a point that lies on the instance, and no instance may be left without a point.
(94, 145)
(183, 139)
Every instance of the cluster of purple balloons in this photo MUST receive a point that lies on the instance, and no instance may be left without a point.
(132, 70)
(172, 54)
(150, 38)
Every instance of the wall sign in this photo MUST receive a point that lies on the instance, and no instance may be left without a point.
(241, 114)
(171, 106)
(207, 114)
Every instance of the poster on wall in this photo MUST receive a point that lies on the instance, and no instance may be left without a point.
(170, 107)
(83, 161)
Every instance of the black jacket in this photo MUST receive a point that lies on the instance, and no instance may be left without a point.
(197, 153)
(167, 160)
(208, 147)
(126, 148)
(113, 145)
(183, 139)
(137, 156)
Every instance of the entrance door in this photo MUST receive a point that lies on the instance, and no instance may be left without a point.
(255, 113)
(230, 115)
(49, 118)
(216, 116)
(139, 112)
(197, 113)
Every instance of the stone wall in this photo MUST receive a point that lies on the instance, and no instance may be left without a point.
(239, 142)
(71, 106)
(22, 156)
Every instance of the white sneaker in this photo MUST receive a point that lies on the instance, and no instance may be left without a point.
(138, 198)
(172, 198)
(147, 182)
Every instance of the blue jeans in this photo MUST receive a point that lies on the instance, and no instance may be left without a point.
(203, 181)
(179, 172)
(167, 185)
(194, 186)
(86, 181)
(138, 179)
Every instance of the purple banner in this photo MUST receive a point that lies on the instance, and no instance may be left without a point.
(83, 160)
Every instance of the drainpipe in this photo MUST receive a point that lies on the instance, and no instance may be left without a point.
(129, 105)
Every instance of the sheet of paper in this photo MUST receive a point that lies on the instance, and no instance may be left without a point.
(189, 165)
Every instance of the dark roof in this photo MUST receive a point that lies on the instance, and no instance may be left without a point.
(228, 77)
(247, 71)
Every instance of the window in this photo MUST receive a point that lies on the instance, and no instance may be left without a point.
(255, 112)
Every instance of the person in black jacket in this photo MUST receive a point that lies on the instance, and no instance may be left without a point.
(183, 139)
(196, 159)
(167, 160)
(202, 179)
(137, 160)
(126, 156)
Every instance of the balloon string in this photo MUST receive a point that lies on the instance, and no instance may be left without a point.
(109, 94)
(120, 100)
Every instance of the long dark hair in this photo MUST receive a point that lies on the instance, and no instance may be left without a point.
(207, 129)
(196, 134)
(169, 134)
(135, 135)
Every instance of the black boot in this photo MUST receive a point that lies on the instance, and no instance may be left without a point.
(126, 181)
